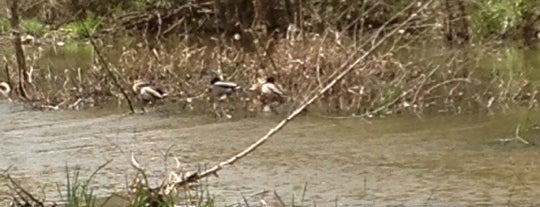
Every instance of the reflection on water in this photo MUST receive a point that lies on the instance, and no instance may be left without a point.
(450, 160)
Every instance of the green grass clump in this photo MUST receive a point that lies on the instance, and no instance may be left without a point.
(5, 26)
(85, 28)
(33, 27)
(79, 192)
(501, 17)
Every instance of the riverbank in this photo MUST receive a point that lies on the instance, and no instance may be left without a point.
(415, 78)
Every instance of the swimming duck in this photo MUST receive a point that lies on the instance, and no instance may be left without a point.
(222, 88)
(147, 92)
(268, 93)
(5, 89)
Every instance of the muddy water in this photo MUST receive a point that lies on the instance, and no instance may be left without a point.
(448, 160)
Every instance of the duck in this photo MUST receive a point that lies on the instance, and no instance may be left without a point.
(268, 93)
(223, 89)
(5, 89)
(147, 92)
(28, 40)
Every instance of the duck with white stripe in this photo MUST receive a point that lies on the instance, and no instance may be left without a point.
(148, 92)
(221, 90)
(268, 94)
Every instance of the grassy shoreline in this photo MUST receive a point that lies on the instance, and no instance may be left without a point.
(410, 76)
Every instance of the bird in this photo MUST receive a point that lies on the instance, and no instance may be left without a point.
(147, 92)
(222, 89)
(28, 40)
(268, 93)
(5, 89)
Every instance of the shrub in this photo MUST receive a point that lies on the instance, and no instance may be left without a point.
(33, 27)
(5, 26)
(85, 28)
(501, 17)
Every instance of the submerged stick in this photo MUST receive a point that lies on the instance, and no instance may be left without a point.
(344, 71)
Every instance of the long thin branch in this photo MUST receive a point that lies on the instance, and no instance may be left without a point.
(345, 70)
(104, 64)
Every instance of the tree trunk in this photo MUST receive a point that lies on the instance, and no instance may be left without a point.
(290, 11)
(219, 10)
(245, 13)
(457, 27)
(232, 15)
(77, 10)
(19, 52)
(264, 17)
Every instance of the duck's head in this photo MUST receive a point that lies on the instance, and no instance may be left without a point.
(270, 80)
(215, 80)
(257, 85)
(137, 84)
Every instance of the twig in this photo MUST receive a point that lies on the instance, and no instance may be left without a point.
(318, 67)
(99, 169)
(279, 199)
(245, 200)
(386, 105)
(303, 194)
(20, 190)
(8, 75)
(415, 98)
(447, 82)
(518, 137)
(138, 167)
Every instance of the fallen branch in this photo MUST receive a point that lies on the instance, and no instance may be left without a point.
(109, 71)
(345, 70)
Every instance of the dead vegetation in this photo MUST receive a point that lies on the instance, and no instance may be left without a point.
(390, 81)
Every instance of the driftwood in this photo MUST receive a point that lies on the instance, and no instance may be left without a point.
(376, 41)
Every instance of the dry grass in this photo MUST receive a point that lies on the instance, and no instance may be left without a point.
(388, 81)
(396, 79)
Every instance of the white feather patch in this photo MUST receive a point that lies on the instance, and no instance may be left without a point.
(271, 88)
(226, 84)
